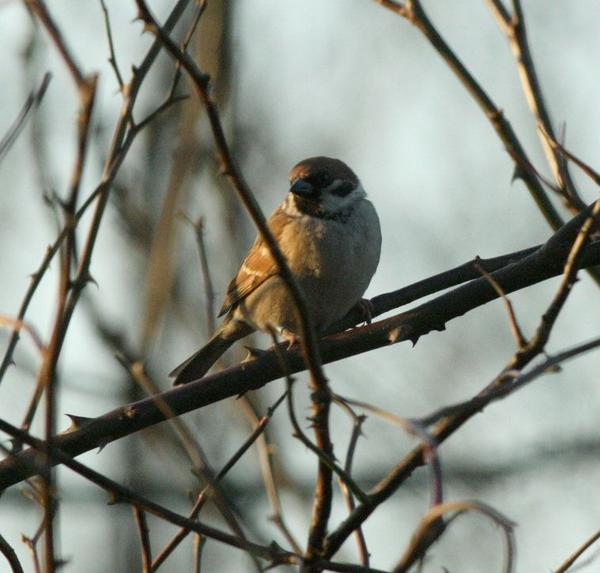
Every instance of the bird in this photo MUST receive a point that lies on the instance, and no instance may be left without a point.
(330, 236)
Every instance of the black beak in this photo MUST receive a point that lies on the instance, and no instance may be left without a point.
(304, 189)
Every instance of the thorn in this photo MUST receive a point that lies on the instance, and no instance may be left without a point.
(518, 173)
(77, 422)
(415, 339)
(16, 445)
(253, 353)
(113, 499)
(88, 278)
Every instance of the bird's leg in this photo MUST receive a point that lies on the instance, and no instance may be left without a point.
(366, 309)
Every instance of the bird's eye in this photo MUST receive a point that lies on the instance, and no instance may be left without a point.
(342, 189)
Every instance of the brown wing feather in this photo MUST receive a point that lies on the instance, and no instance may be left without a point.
(257, 267)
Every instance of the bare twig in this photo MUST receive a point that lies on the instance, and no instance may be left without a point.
(32, 546)
(17, 325)
(31, 104)
(512, 318)
(432, 526)
(321, 455)
(112, 58)
(10, 555)
(415, 428)
(566, 565)
(538, 341)
(142, 526)
(357, 422)
(585, 167)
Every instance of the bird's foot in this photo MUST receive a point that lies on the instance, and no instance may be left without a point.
(366, 309)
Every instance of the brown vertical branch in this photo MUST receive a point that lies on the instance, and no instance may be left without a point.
(146, 551)
(189, 158)
(86, 89)
(357, 422)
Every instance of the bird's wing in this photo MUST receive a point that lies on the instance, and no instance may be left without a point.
(257, 267)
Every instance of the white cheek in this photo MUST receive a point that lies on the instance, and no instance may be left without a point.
(333, 203)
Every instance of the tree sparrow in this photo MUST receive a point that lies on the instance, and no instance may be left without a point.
(329, 233)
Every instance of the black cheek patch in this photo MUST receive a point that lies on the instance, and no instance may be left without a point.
(343, 189)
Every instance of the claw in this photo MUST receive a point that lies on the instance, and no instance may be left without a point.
(290, 338)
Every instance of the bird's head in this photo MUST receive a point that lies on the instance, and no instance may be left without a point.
(324, 187)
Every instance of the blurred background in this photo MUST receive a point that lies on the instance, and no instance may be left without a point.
(344, 78)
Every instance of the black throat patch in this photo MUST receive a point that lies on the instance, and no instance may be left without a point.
(315, 209)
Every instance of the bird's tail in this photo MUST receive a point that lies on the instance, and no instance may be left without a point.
(199, 363)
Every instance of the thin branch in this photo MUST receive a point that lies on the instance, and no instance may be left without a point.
(321, 455)
(432, 526)
(112, 58)
(142, 526)
(357, 422)
(414, 428)
(10, 556)
(566, 565)
(32, 102)
(539, 340)
(512, 317)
